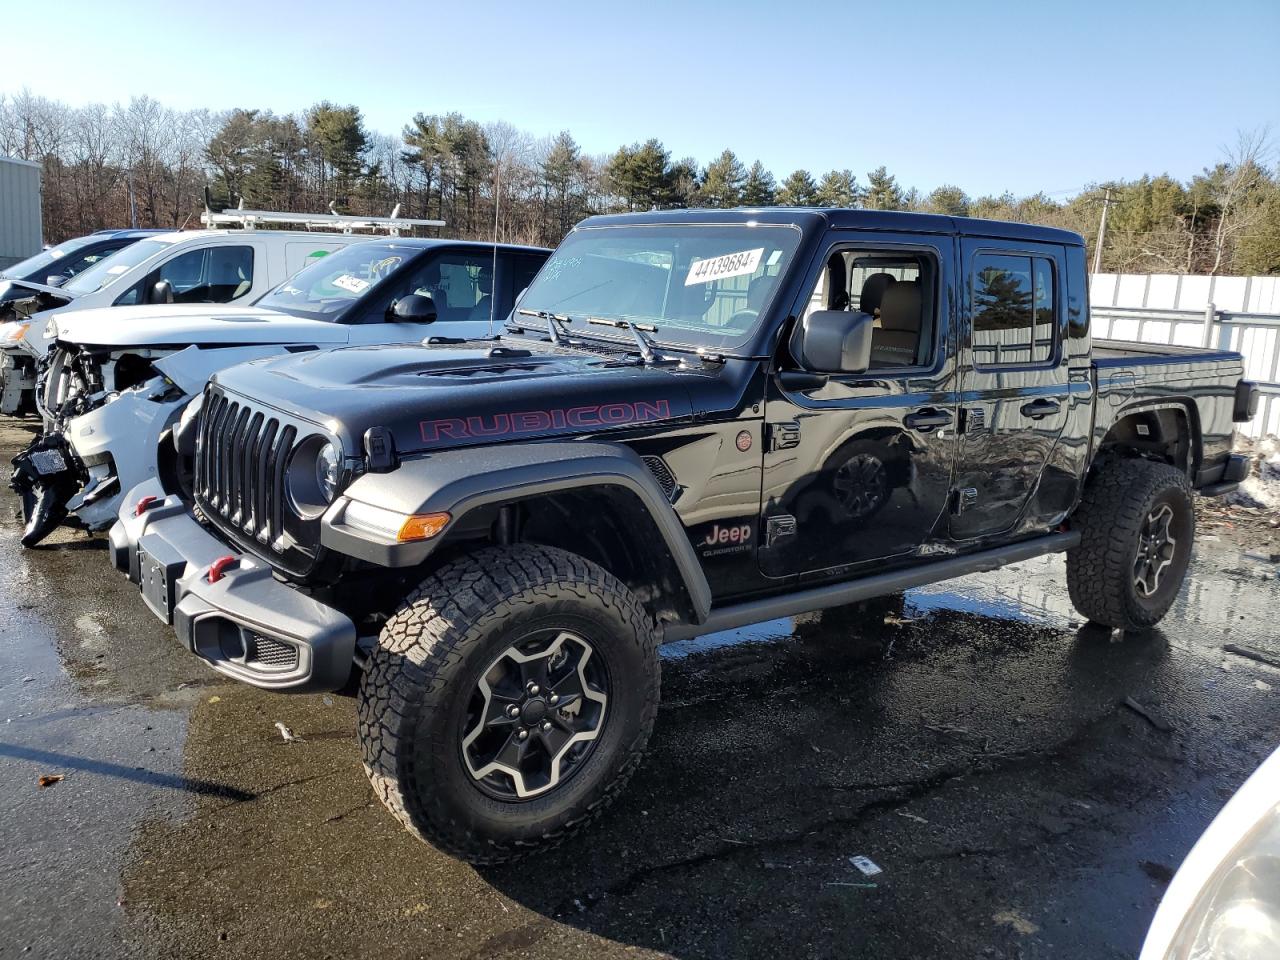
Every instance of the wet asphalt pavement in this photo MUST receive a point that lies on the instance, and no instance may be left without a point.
(972, 741)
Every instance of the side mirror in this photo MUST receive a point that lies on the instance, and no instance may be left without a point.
(55, 280)
(833, 341)
(414, 308)
(161, 292)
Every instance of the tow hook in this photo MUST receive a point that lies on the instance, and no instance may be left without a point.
(45, 477)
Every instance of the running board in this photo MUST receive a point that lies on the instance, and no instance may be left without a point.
(838, 594)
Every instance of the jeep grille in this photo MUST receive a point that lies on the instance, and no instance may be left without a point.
(242, 454)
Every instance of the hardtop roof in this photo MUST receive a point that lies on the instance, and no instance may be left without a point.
(812, 218)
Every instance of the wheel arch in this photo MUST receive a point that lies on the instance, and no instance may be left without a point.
(597, 500)
(1167, 431)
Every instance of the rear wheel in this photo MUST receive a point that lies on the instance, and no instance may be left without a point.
(508, 701)
(1137, 523)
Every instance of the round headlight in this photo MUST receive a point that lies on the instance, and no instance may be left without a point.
(328, 466)
(313, 476)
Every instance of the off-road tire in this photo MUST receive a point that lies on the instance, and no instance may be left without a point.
(1118, 498)
(432, 651)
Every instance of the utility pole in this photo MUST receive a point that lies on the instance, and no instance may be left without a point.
(1102, 233)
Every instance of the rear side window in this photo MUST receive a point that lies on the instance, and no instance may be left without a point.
(1014, 310)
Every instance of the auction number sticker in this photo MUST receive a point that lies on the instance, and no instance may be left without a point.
(739, 264)
(353, 284)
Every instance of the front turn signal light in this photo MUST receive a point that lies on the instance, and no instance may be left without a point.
(422, 526)
(392, 524)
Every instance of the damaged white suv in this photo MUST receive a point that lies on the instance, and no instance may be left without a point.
(118, 380)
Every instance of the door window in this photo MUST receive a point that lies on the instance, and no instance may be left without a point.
(213, 275)
(1014, 314)
(896, 289)
(461, 284)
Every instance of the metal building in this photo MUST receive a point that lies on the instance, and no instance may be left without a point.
(21, 234)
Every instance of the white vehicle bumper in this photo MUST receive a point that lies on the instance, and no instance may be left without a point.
(119, 445)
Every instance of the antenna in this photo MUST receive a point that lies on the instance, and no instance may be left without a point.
(497, 200)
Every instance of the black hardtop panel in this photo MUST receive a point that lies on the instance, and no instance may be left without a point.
(812, 219)
(430, 243)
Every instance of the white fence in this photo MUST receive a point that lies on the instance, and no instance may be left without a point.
(1228, 313)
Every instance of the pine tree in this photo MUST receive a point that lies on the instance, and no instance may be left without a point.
(948, 200)
(883, 192)
(562, 175)
(798, 190)
(759, 189)
(839, 188)
(722, 182)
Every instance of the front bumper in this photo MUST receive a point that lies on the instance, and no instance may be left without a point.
(247, 625)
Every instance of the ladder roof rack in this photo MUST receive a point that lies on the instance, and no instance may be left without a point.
(251, 219)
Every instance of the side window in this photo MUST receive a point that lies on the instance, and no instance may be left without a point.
(461, 284)
(1014, 310)
(1045, 307)
(215, 275)
(896, 289)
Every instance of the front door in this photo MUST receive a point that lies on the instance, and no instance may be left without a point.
(857, 467)
(460, 282)
(1013, 378)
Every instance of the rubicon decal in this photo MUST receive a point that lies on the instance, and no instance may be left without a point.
(523, 422)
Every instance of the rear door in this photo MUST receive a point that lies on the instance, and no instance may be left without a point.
(1013, 378)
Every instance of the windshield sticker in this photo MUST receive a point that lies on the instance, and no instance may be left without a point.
(55, 254)
(350, 283)
(730, 265)
(317, 254)
(118, 268)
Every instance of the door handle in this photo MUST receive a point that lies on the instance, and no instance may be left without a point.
(1039, 409)
(927, 420)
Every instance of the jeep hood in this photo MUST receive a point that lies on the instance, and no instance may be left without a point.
(188, 323)
(437, 397)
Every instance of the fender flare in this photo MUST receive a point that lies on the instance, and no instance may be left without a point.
(462, 480)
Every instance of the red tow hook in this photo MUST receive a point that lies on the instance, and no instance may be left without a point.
(144, 505)
(218, 569)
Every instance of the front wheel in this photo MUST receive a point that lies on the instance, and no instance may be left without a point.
(509, 699)
(1137, 523)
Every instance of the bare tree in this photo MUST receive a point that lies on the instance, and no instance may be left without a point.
(1236, 183)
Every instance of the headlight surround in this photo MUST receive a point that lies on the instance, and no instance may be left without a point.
(328, 471)
(314, 476)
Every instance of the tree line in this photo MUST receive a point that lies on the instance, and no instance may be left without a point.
(143, 163)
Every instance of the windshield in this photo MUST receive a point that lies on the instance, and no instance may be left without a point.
(697, 285)
(335, 282)
(45, 263)
(106, 272)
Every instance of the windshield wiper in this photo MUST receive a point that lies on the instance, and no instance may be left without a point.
(642, 339)
(555, 324)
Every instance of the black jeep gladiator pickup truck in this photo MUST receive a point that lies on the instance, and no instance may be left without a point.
(695, 420)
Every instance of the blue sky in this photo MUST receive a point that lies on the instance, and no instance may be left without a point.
(989, 96)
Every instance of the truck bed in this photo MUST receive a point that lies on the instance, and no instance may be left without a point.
(1118, 353)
